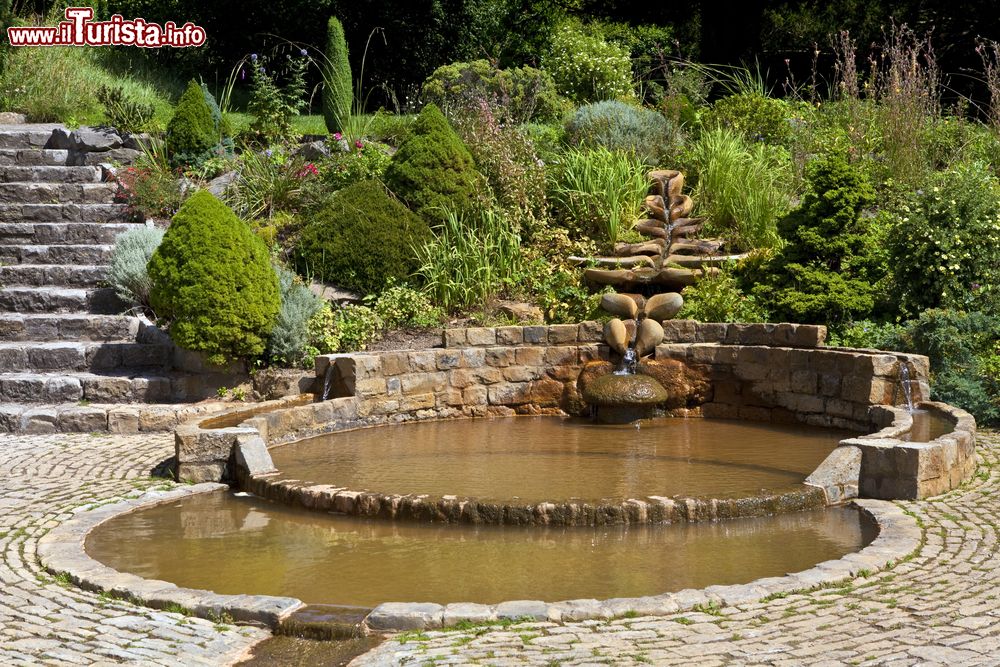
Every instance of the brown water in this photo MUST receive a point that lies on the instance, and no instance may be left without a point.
(534, 459)
(928, 425)
(235, 545)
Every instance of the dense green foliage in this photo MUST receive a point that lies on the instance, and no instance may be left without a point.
(828, 267)
(191, 133)
(338, 95)
(586, 68)
(433, 171)
(525, 93)
(718, 298)
(944, 243)
(617, 126)
(361, 239)
(213, 282)
(964, 349)
(758, 117)
(403, 306)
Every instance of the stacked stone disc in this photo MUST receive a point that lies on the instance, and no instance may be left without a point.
(673, 257)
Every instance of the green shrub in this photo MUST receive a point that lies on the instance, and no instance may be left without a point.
(471, 258)
(290, 335)
(127, 273)
(213, 282)
(944, 243)
(758, 117)
(356, 327)
(742, 187)
(718, 298)
(433, 170)
(964, 349)
(191, 133)
(548, 140)
(587, 68)
(122, 112)
(648, 46)
(361, 239)
(864, 334)
(829, 266)
(149, 188)
(349, 164)
(623, 127)
(337, 87)
(403, 306)
(273, 106)
(597, 192)
(389, 128)
(522, 93)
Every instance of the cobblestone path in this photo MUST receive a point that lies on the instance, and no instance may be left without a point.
(43, 480)
(938, 608)
(941, 607)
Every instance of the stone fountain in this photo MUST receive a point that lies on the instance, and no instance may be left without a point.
(634, 388)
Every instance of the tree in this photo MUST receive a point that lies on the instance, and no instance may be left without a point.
(337, 87)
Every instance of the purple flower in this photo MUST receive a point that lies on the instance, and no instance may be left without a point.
(358, 144)
(303, 53)
(268, 152)
(253, 57)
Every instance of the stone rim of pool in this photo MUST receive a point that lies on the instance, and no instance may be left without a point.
(62, 551)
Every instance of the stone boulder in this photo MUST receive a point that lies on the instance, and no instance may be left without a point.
(687, 386)
(522, 312)
(664, 306)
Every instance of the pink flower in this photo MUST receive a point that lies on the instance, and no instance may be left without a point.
(336, 136)
(358, 144)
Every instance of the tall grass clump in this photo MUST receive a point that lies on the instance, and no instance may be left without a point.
(741, 187)
(598, 192)
(266, 182)
(337, 88)
(473, 256)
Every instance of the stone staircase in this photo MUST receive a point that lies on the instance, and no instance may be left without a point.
(69, 359)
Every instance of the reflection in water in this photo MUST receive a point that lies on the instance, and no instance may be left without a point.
(246, 545)
(928, 425)
(546, 458)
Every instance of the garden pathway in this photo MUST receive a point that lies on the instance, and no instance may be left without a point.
(940, 607)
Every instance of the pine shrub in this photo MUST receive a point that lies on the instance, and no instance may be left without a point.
(433, 171)
(191, 132)
(213, 282)
(361, 239)
(829, 266)
(337, 93)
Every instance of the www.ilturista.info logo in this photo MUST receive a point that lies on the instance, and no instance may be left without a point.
(79, 30)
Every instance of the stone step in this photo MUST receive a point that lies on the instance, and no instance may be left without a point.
(55, 254)
(84, 417)
(29, 135)
(46, 356)
(33, 157)
(42, 327)
(60, 300)
(698, 261)
(111, 387)
(61, 212)
(56, 233)
(57, 193)
(53, 275)
(50, 174)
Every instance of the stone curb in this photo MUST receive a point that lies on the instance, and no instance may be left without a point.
(899, 536)
(62, 552)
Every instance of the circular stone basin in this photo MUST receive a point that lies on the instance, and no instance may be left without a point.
(549, 459)
(236, 545)
(625, 390)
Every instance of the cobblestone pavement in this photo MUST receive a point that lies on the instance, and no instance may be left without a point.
(940, 607)
(43, 480)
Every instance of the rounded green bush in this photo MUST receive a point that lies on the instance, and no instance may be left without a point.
(191, 131)
(362, 239)
(623, 127)
(759, 117)
(213, 282)
(433, 171)
(586, 68)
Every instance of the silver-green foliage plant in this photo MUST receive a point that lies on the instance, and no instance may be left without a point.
(290, 335)
(598, 192)
(625, 127)
(742, 187)
(588, 69)
(472, 257)
(129, 257)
